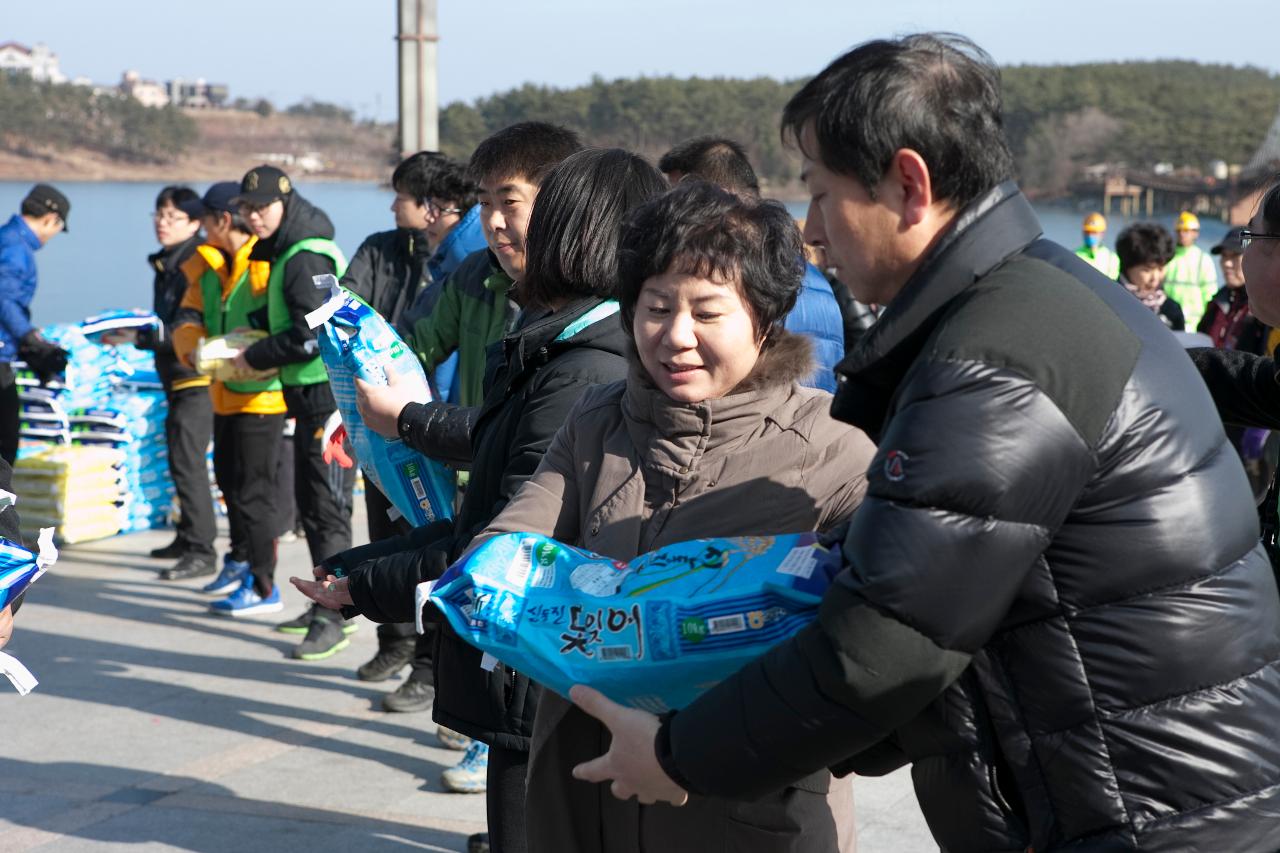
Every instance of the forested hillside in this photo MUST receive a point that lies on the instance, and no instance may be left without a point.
(1058, 117)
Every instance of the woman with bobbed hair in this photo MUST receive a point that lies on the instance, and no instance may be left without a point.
(711, 434)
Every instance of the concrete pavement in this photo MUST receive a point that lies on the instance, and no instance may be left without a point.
(159, 727)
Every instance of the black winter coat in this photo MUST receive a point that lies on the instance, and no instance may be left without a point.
(388, 270)
(1037, 613)
(301, 220)
(533, 381)
(168, 287)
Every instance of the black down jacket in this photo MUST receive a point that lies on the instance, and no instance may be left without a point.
(1055, 605)
(534, 379)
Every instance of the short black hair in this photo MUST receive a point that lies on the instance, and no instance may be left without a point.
(527, 150)
(937, 94)
(430, 174)
(715, 159)
(706, 231)
(1269, 206)
(1144, 243)
(572, 241)
(179, 196)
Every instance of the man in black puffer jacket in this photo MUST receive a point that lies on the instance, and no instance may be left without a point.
(1032, 613)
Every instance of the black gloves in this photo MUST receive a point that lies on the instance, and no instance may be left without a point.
(46, 359)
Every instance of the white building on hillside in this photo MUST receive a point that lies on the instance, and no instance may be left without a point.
(40, 62)
(149, 93)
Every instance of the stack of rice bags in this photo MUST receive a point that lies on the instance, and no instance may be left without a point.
(93, 459)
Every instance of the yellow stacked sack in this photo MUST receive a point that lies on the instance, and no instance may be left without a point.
(77, 490)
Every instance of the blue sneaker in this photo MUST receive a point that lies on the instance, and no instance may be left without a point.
(232, 575)
(470, 775)
(245, 601)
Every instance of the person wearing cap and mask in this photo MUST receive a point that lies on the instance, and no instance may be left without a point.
(296, 239)
(43, 215)
(189, 420)
(1093, 252)
(1190, 278)
(225, 290)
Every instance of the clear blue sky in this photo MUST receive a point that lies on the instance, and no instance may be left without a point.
(343, 50)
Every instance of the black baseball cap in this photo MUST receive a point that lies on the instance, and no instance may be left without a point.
(221, 197)
(262, 185)
(50, 200)
(1232, 242)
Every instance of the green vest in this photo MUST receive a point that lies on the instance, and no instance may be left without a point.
(1102, 259)
(221, 317)
(309, 372)
(1191, 280)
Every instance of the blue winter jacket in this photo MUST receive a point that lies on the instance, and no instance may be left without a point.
(463, 239)
(18, 245)
(817, 314)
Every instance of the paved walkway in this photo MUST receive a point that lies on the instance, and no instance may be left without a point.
(158, 727)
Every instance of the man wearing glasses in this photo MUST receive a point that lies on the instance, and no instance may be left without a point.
(188, 422)
(43, 215)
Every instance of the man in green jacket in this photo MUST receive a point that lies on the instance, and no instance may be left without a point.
(1190, 279)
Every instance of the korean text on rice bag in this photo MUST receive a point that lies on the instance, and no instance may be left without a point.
(355, 342)
(654, 633)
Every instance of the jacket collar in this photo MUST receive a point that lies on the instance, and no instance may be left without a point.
(28, 236)
(535, 343)
(169, 258)
(996, 226)
(674, 437)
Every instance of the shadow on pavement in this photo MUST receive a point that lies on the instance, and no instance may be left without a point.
(120, 806)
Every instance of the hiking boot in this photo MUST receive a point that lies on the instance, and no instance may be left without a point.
(172, 551)
(412, 695)
(389, 660)
(246, 601)
(478, 843)
(470, 775)
(232, 575)
(325, 637)
(189, 566)
(450, 739)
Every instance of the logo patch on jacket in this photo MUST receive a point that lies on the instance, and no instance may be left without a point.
(895, 466)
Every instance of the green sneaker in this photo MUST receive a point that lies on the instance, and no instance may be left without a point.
(324, 638)
(302, 624)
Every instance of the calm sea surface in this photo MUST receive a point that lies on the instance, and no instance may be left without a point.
(102, 264)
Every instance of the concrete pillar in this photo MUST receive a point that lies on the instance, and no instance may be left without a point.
(417, 37)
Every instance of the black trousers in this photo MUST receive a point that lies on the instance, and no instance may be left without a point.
(382, 527)
(504, 800)
(188, 426)
(10, 413)
(245, 450)
(286, 503)
(323, 491)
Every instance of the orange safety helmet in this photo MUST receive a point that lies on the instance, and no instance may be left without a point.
(1095, 223)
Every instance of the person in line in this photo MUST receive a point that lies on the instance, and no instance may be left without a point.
(818, 312)
(1029, 616)
(568, 340)
(475, 310)
(1190, 278)
(1144, 249)
(715, 395)
(1093, 251)
(437, 225)
(42, 216)
(188, 421)
(296, 239)
(227, 290)
(1230, 323)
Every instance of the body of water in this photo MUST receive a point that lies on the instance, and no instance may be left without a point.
(102, 263)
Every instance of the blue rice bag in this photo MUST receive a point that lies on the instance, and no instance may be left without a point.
(19, 568)
(654, 633)
(355, 342)
(93, 328)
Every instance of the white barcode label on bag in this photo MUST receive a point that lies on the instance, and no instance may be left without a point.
(799, 563)
(521, 563)
(726, 624)
(615, 653)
